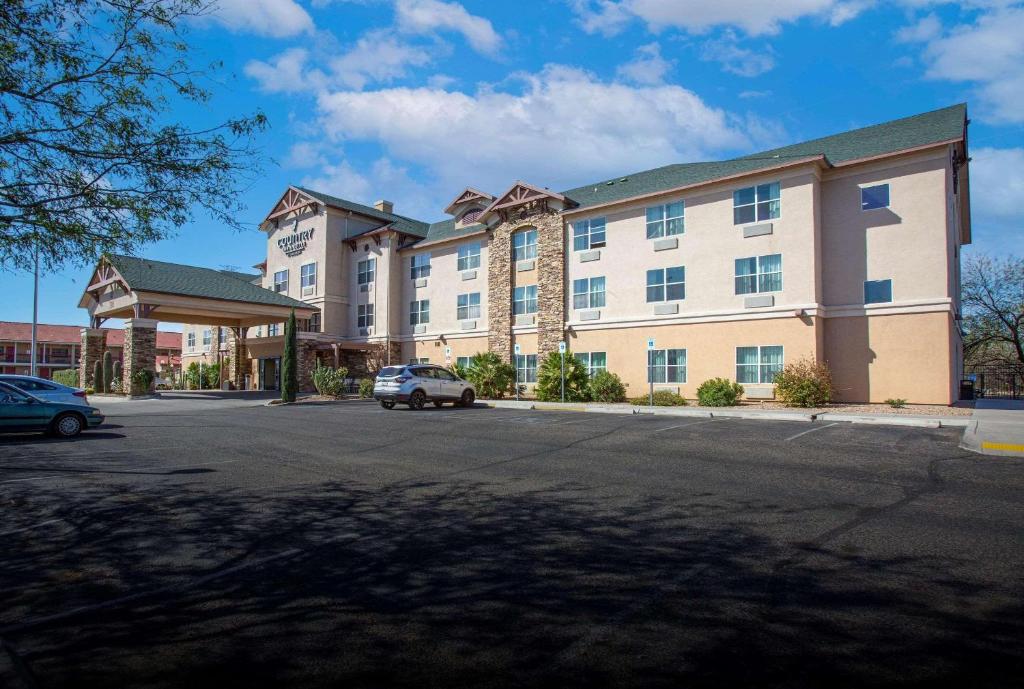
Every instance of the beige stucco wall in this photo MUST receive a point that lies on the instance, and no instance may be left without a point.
(875, 358)
(433, 349)
(442, 289)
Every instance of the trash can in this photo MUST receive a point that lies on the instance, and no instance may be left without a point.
(967, 389)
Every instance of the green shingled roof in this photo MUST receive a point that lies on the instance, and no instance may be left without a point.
(890, 137)
(174, 278)
(401, 223)
(446, 229)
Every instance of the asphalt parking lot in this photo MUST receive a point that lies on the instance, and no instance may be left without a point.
(344, 545)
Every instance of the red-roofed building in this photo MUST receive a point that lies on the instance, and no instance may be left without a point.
(58, 347)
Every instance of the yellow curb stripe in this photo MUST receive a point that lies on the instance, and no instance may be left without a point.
(1006, 447)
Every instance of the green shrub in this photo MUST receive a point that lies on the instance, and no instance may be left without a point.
(116, 386)
(108, 370)
(460, 371)
(605, 386)
(804, 383)
(366, 388)
(491, 376)
(896, 402)
(549, 379)
(66, 376)
(330, 381)
(97, 375)
(142, 380)
(211, 376)
(662, 398)
(191, 376)
(90, 391)
(719, 392)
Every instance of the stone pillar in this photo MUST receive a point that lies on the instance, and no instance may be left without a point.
(550, 283)
(93, 343)
(139, 351)
(238, 358)
(305, 354)
(499, 291)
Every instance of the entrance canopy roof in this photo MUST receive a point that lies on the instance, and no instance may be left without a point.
(129, 287)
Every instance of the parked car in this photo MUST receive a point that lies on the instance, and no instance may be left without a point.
(22, 411)
(46, 389)
(418, 384)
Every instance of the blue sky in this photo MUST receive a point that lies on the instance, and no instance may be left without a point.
(413, 100)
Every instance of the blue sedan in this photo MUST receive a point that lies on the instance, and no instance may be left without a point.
(21, 411)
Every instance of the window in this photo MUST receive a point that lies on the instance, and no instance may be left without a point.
(755, 204)
(526, 368)
(666, 366)
(191, 339)
(281, 281)
(665, 221)
(420, 266)
(314, 323)
(259, 331)
(758, 364)
(419, 312)
(588, 234)
(877, 291)
(874, 197)
(588, 293)
(365, 271)
(415, 362)
(364, 316)
(593, 361)
(307, 277)
(468, 306)
(463, 361)
(469, 256)
(759, 274)
(207, 339)
(524, 245)
(273, 330)
(222, 336)
(666, 284)
(524, 300)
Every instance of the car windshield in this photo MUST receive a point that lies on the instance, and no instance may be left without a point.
(390, 371)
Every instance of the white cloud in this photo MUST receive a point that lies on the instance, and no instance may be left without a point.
(754, 17)
(648, 67)
(538, 133)
(745, 62)
(428, 16)
(755, 94)
(926, 29)
(286, 73)
(275, 18)
(377, 56)
(997, 183)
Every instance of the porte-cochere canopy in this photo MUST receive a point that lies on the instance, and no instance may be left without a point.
(129, 287)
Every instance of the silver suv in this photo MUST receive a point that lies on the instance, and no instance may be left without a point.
(418, 384)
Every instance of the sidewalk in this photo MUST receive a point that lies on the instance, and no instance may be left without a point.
(740, 413)
(997, 428)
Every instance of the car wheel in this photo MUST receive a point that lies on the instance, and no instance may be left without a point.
(67, 425)
(438, 403)
(467, 399)
(417, 400)
(387, 404)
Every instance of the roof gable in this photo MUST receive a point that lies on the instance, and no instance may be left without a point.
(466, 196)
(294, 200)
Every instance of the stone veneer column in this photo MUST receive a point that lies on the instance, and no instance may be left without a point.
(550, 283)
(305, 353)
(238, 358)
(93, 342)
(499, 290)
(139, 351)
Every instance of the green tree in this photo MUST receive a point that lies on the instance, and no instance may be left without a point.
(91, 157)
(491, 376)
(993, 310)
(549, 379)
(289, 362)
(108, 370)
(192, 376)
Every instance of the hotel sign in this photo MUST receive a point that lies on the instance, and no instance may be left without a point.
(295, 243)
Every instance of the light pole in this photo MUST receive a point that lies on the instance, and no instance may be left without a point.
(35, 309)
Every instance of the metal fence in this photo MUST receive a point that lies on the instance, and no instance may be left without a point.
(1004, 382)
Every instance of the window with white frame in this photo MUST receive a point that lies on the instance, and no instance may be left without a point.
(665, 220)
(366, 271)
(315, 323)
(666, 366)
(307, 277)
(588, 234)
(524, 300)
(273, 330)
(364, 316)
(281, 281)
(469, 256)
(191, 341)
(666, 284)
(419, 360)
(207, 339)
(593, 361)
(468, 306)
(526, 368)
(758, 365)
(524, 245)
(877, 291)
(873, 197)
(420, 266)
(419, 312)
(463, 361)
(759, 274)
(755, 204)
(588, 293)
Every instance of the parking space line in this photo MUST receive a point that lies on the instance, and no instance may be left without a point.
(682, 425)
(33, 478)
(29, 528)
(820, 428)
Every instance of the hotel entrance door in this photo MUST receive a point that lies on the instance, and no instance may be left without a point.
(270, 373)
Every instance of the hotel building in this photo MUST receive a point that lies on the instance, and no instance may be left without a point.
(844, 249)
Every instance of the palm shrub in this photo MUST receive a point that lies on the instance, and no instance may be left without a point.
(192, 376)
(804, 383)
(459, 371)
(328, 381)
(97, 376)
(289, 362)
(366, 388)
(108, 370)
(719, 392)
(606, 386)
(66, 376)
(662, 398)
(491, 376)
(549, 379)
